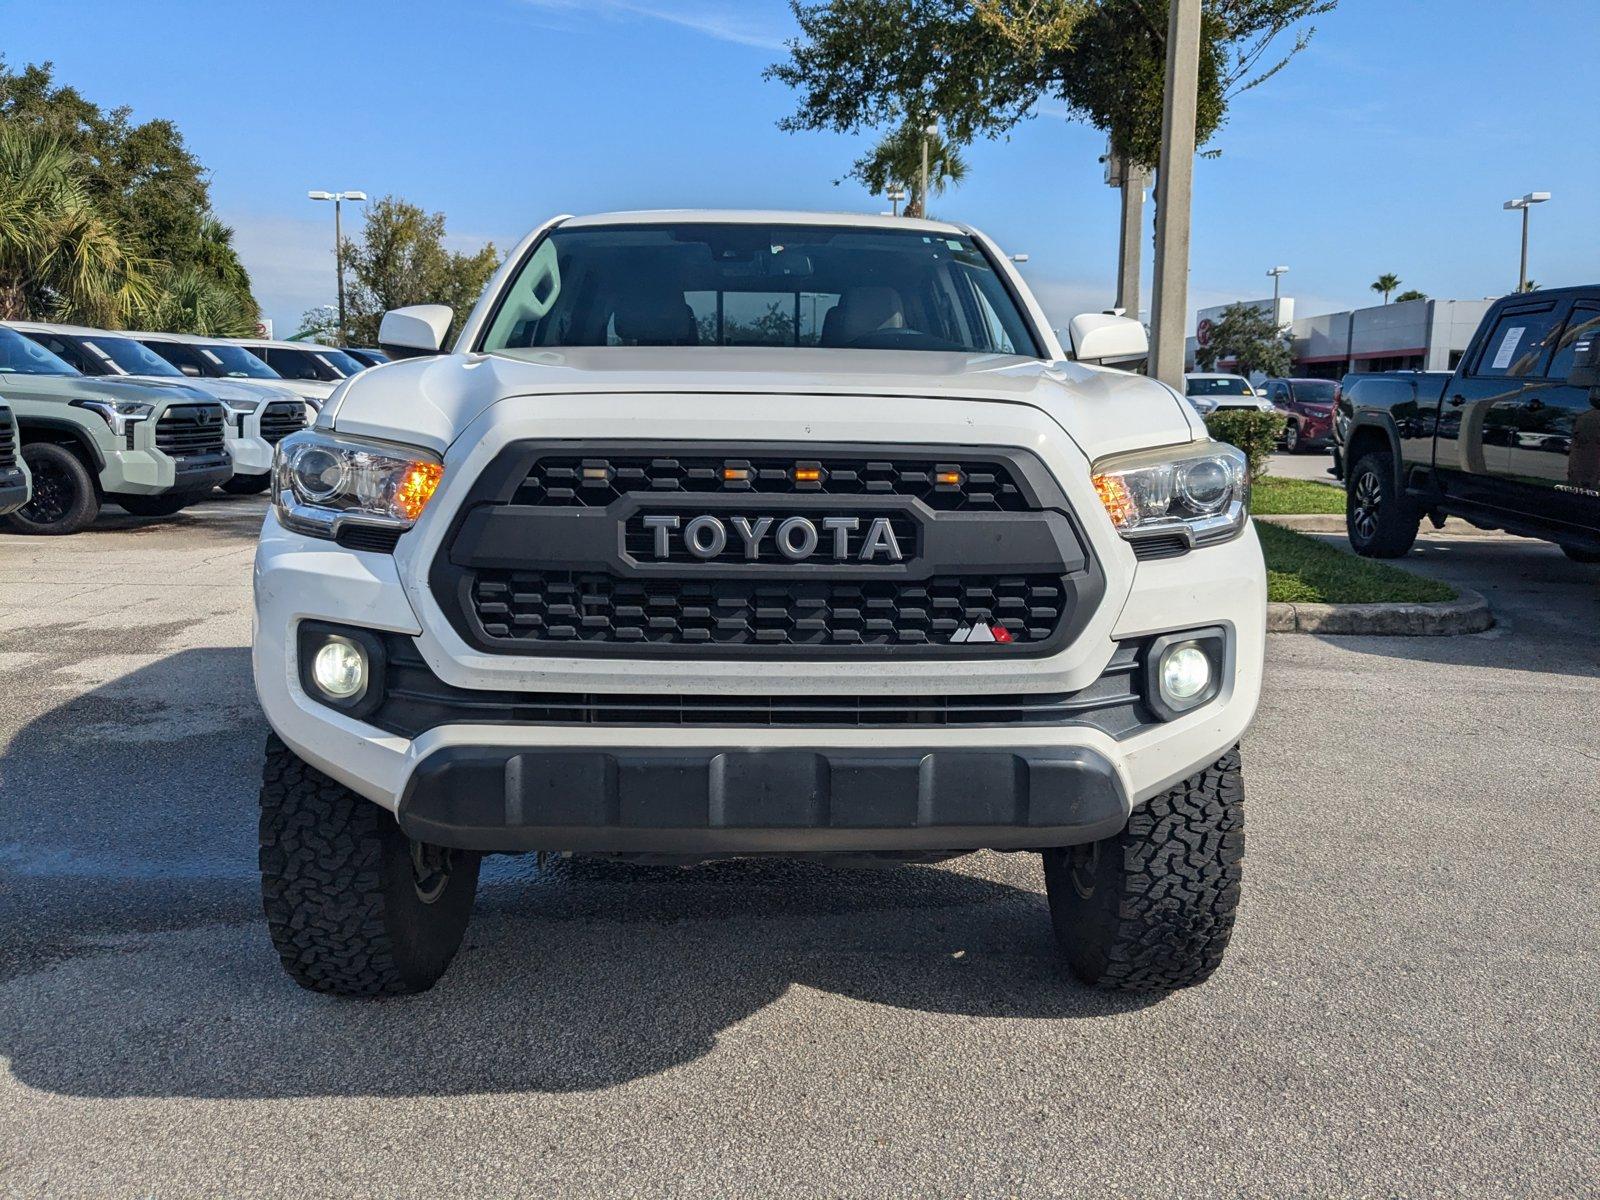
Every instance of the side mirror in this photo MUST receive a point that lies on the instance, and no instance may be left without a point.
(1099, 337)
(415, 331)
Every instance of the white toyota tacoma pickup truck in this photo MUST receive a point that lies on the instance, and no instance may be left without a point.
(725, 533)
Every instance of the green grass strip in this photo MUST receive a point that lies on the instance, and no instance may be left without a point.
(1304, 570)
(1271, 496)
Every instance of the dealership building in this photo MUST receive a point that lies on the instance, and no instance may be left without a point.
(1427, 335)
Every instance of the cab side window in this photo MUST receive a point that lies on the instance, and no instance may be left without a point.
(1582, 325)
(1517, 345)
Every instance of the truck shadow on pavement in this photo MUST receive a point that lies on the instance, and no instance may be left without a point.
(134, 960)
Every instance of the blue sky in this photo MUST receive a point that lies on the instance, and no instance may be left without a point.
(1388, 146)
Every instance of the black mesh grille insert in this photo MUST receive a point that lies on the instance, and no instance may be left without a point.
(594, 482)
(562, 606)
(8, 440)
(190, 429)
(282, 418)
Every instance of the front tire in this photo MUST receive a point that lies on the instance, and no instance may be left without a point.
(1152, 908)
(247, 485)
(1380, 520)
(64, 499)
(1291, 438)
(354, 907)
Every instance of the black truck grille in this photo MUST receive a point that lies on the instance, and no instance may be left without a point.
(569, 607)
(186, 430)
(590, 481)
(416, 700)
(556, 552)
(281, 418)
(8, 440)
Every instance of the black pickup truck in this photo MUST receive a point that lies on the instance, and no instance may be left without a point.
(1510, 441)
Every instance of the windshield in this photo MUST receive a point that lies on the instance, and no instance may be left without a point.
(810, 286)
(23, 356)
(1228, 385)
(1315, 390)
(132, 357)
(235, 362)
(340, 361)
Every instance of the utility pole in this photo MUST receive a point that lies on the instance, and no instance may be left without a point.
(1277, 274)
(338, 246)
(1525, 203)
(1174, 194)
(1133, 180)
(928, 131)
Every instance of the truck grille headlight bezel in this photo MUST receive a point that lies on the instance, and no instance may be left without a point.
(322, 483)
(1200, 492)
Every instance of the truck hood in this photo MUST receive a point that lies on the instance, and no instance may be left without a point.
(223, 389)
(429, 401)
(66, 388)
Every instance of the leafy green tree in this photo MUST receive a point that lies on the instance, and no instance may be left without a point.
(1411, 294)
(1386, 283)
(60, 257)
(897, 160)
(981, 66)
(400, 259)
(140, 178)
(1249, 337)
(319, 324)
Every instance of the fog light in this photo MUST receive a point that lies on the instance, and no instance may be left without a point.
(1185, 674)
(340, 669)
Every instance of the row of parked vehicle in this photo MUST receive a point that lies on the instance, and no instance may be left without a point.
(147, 421)
(1307, 404)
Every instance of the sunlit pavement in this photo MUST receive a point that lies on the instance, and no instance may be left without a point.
(1409, 1007)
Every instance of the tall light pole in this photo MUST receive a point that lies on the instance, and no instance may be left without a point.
(1174, 191)
(928, 131)
(1277, 274)
(1525, 203)
(338, 198)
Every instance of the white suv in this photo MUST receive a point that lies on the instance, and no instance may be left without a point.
(739, 533)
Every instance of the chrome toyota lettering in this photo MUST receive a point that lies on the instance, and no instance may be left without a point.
(794, 538)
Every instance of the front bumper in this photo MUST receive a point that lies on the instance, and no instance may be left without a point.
(710, 800)
(251, 455)
(152, 473)
(14, 488)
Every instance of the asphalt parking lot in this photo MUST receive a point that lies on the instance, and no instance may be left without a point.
(1410, 1006)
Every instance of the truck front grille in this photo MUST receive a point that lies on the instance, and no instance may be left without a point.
(8, 440)
(281, 418)
(570, 607)
(565, 550)
(189, 430)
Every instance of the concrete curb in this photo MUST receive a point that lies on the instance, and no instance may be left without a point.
(1334, 523)
(1468, 613)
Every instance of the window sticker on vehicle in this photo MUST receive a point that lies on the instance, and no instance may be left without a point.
(1508, 347)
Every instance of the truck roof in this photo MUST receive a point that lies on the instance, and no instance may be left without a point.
(739, 216)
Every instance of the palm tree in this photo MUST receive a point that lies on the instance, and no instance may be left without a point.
(897, 161)
(1386, 283)
(60, 257)
(191, 301)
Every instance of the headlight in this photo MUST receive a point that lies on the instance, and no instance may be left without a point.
(121, 415)
(321, 482)
(1201, 492)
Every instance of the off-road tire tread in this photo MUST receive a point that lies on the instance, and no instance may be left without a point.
(1182, 859)
(83, 512)
(321, 886)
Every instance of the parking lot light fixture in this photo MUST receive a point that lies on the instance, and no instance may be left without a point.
(338, 199)
(1277, 274)
(1523, 204)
